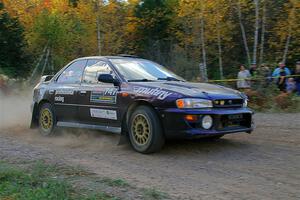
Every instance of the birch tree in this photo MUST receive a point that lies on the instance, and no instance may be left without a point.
(287, 31)
(203, 65)
(256, 32)
(245, 41)
(97, 8)
(220, 28)
(263, 30)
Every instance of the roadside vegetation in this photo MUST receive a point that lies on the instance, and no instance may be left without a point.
(45, 181)
(153, 193)
(41, 181)
(270, 99)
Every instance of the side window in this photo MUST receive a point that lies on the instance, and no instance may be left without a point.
(73, 73)
(93, 69)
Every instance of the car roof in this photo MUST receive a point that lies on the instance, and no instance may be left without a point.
(109, 57)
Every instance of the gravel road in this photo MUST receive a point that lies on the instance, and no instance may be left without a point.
(263, 165)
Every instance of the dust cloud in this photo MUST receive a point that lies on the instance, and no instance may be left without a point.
(15, 117)
(15, 109)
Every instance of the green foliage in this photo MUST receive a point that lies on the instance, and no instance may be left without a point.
(166, 31)
(116, 182)
(154, 194)
(154, 29)
(13, 59)
(62, 33)
(40, 181)
(270, 99)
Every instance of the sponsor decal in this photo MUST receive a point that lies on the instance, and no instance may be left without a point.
(157, 92)
(102, 113)
(64, 91)
(107, 96)
(60, 99)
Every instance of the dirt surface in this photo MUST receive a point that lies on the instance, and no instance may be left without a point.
(263, 165)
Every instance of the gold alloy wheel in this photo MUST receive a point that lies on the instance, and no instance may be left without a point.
(46, 119)
(141, 129)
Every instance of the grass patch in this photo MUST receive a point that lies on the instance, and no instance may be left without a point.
(153, 193)
(40, 181)
(115, 182)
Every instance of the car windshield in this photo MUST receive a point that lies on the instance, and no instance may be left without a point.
(143, 70)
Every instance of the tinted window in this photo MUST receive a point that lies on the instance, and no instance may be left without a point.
(93, 69)
(138, 69)
(73, 73)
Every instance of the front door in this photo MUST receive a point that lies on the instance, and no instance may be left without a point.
(65, 92)
(98, 101)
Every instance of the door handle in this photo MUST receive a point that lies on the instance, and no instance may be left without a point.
(51, 91)
(82, 92)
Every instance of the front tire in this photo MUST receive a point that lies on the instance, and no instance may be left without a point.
(47, 120)
(145, 130)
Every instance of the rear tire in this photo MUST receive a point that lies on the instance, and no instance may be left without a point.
(145, 130)
(47, 120)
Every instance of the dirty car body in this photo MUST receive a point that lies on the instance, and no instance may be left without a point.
(102, 93)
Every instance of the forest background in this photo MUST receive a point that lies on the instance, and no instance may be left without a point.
(194, 38)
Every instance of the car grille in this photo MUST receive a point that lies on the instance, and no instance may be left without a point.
(234, 121)
(226, 103)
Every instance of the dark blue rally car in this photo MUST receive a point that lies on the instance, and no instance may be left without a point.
(136, 98)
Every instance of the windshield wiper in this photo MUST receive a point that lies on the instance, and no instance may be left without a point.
(140, 80)
(169, 78)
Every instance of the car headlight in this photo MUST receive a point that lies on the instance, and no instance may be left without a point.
(245, 104)
(194, 103)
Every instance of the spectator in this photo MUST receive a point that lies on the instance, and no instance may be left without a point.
(266, 74)
(290, 85)
(297, 77)
(280, 74)
(243, 76)
(253, 70)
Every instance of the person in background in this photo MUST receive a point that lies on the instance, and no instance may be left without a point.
(290, 85)
(253, 70)
(243, 76)
(297, 77)
(266, 74)
(280, 74)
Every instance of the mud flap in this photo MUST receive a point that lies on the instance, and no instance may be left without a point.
(123, 139)
(34, 120)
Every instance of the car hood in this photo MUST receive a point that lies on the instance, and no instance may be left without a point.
(189, 89)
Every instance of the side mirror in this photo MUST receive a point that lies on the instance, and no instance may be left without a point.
(46, 78)
(108, 78)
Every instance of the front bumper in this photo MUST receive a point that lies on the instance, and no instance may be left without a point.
(175, 125)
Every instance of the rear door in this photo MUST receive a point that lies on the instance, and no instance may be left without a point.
(66, 90)
(98, 100)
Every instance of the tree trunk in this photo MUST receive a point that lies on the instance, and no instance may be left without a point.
(256, 25)
(243, 33)
(289, 36)
(203, 67)
(38, 63)
(287, 44)
(220, 54)
(262, 39)
(51, 63)
(97, 14)
(46, 61)
(98, 35)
